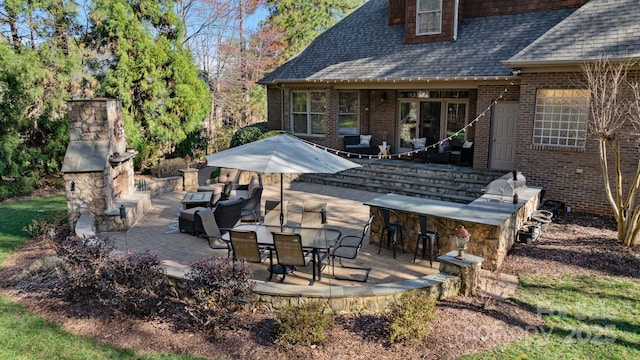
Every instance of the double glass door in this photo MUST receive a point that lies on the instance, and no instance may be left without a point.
(431, 119)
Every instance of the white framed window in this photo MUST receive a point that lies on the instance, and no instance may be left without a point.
(308, 112)
(428, 17)
(561, 119)
(348, 113)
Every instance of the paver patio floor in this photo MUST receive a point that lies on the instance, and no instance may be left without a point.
(158, 232)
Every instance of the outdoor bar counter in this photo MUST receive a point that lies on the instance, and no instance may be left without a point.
(492, 221)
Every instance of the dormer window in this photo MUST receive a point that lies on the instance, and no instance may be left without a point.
(428, 17)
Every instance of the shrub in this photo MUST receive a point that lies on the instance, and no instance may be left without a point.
(169, 167)
(85, 258)
(46, 265)
(220, 139)
(49, 227)
(305, 324)
(21, 186)
(215, 173)
(214, 288)
(135, 283)
(245, 135)
(409, 319)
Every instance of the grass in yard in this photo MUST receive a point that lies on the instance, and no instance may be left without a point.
(17, 215)
(26, 336)
(586, 317)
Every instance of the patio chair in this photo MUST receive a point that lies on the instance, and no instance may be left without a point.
(226, 175)
(314, 214)
(426, 236)
(290, 254)
(252, 193)
(358, 144)
(348, 248)
(272, 212)
(244, 244)
(391, 228)
(215, 223)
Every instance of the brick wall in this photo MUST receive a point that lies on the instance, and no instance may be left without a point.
(396, 12)
(477, 8)
(383, 117)
(556, 170)
(274, 107)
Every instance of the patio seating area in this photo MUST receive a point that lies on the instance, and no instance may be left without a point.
(158, 232)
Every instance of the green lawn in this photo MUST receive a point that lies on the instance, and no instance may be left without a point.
(587, 317)
(25, 336)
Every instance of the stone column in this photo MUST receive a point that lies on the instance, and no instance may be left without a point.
(468, 270)
(189, 179)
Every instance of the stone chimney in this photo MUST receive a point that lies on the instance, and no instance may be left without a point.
(98, 168)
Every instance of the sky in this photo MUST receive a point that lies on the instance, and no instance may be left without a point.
(258, 16)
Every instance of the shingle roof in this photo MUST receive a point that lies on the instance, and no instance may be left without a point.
(363, 46)
(599, 28)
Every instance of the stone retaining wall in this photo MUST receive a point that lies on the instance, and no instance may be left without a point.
(456, 277)
(161, 186)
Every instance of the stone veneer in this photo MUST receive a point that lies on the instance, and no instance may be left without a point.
(104, 179)
(488, 239)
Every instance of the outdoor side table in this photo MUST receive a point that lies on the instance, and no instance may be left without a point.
(195, 199)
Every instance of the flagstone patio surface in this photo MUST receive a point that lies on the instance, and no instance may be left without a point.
(158, 232)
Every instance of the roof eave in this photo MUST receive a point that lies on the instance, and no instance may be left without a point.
(389, 80)
(569, 62)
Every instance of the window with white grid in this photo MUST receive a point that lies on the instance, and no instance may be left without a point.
(428, 17)
(308, 112)
(561, 119)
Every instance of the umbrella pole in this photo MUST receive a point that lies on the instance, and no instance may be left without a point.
(281, 204)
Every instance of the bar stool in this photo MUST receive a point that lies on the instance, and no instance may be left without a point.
(391, 228)
(425, 235)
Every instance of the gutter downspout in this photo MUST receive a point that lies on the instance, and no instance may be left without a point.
(456, 8)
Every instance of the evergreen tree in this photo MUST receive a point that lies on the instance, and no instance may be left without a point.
(143, 63)
(40, 69)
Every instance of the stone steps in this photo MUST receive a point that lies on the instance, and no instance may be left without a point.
(431, 181)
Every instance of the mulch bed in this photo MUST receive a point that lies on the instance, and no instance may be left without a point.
(572, 244)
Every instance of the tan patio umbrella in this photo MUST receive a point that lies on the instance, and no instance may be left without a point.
(281, 154)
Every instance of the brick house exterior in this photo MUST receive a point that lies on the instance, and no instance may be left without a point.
(458, 73)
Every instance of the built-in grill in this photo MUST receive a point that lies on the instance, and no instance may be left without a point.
(505, 189)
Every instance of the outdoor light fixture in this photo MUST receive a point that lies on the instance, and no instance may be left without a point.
(73, 191)
(462, 239)
(123, 215)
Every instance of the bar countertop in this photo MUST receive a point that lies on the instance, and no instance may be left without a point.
(487, 209)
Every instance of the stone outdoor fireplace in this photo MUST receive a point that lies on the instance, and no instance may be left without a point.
(98, 167)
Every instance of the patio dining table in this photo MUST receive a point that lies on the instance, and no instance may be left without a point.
(316, 240)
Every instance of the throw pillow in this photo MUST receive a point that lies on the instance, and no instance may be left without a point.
(365, 140)
(419, 143)
(467, 145)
